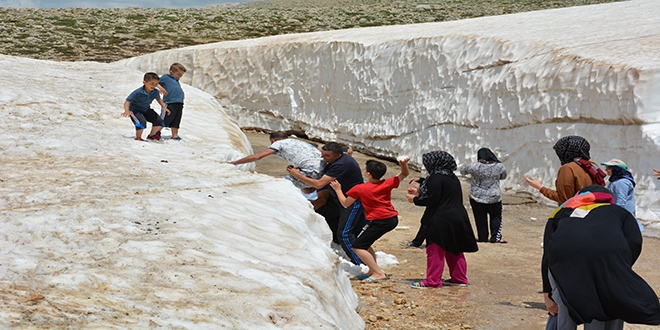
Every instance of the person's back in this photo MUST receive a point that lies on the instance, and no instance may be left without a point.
(571, 177)
(485, 195)
(173, 87)
(576, 172)
(299, 154)
(485, 185)
(589, 248)
(447, 196)
(624, 194)
(376, 197)
(347, 171)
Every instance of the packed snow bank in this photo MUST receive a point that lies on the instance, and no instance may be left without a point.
(116, 233)
(514, 83)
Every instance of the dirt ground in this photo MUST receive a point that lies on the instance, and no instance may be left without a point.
(505, 282)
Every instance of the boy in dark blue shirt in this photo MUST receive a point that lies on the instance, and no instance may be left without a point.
(138, 107)
(173, 96)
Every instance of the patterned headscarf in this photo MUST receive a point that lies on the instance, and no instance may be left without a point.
(485, 155)
(436, 162)
(570, 147)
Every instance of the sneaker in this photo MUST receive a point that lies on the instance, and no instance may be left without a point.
(154, 137)
(178, 138)
(411, 245)
(419, 285)
(452, 283)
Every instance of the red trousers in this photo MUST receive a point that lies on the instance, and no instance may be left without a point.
(435, 265)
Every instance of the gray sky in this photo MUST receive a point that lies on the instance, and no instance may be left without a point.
(110, 3)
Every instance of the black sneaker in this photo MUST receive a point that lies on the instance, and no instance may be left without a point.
(452, 283)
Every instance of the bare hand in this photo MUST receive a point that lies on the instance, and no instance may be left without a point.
(289, 167)
(403, 160)
(412, 180)
(167, 111)
(411, 198)
(334, 184)
(550, 305)
(293, 171)
(414, 190)
(534, 183)
(657, 173)
(125, 113)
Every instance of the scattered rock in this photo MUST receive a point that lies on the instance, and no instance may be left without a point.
(35, 296)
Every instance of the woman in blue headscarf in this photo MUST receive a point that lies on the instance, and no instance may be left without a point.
(622, 186)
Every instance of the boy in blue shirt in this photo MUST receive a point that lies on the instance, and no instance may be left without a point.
(138, 107)
(173, 96)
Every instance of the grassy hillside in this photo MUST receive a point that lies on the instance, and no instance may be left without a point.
(107, 35)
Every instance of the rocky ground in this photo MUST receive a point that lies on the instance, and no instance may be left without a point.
(505, 279)
(107, 35)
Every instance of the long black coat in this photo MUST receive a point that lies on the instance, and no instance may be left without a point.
(445, 217)
(591, 259)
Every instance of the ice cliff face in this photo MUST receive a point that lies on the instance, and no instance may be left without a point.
(99, 230)
(514, 83)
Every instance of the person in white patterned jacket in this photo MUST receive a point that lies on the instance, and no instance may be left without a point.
(485, 194)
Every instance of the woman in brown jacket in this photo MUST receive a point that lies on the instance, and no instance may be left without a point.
(576, 171)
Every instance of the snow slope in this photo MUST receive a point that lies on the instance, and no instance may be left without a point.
(514, 83)
(116, 233)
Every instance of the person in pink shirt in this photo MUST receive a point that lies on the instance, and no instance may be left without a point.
(376, 197)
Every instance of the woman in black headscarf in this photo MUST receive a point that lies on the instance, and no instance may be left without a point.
(485, 194)
(576, 171)
(449, 233)
(589, 248)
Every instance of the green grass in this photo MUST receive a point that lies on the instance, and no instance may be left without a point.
(107, 28)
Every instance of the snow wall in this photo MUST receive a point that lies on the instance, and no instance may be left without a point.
(513, 83)
(98, 230)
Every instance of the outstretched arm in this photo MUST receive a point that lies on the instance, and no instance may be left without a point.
(345, 201)
(403, 162)
(318, 184)
(253, 158)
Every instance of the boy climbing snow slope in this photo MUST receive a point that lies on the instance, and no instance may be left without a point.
(138, 107)
(173, 96)
(376, 197)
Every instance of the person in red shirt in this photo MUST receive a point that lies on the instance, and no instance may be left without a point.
(376, 197)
